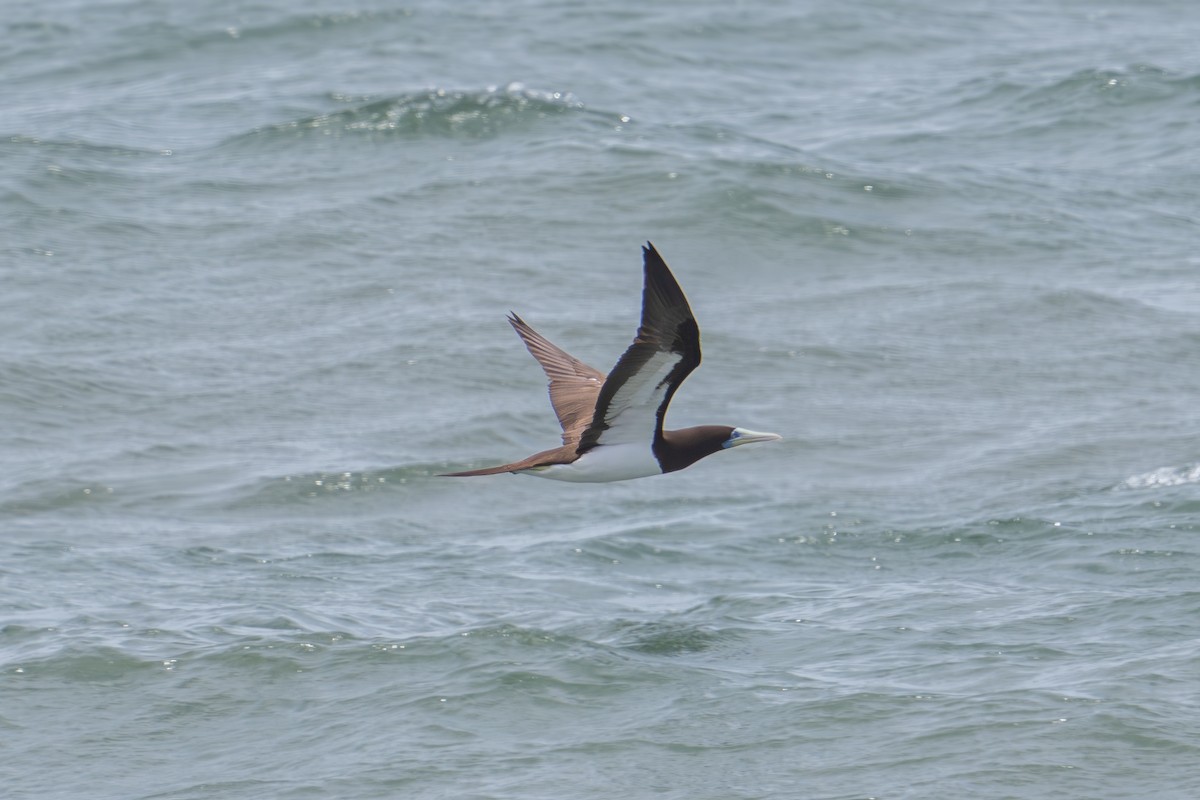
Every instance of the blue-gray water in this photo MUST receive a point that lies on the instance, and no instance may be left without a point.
(256, 262)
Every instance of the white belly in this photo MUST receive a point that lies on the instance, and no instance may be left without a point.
(602, 464)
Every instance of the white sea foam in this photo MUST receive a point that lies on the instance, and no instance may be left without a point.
(1165, 476)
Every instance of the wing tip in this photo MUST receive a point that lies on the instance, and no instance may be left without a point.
(660, 282)
(653, 261)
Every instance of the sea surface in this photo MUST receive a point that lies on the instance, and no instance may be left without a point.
(256, 260)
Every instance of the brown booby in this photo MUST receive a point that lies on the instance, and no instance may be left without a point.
(612, 427)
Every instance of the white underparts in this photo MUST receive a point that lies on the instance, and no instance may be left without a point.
(603, 464)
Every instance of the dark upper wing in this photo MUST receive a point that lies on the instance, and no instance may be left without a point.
(573, 384)
(635, 395)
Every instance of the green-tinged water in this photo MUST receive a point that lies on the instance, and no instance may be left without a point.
(255, 268)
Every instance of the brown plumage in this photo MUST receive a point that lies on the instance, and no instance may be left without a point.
(573, 384)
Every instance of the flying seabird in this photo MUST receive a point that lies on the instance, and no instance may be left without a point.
(612, 427)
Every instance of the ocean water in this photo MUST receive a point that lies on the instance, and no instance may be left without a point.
(256, 260)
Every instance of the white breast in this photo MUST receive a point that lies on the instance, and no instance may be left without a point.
(602, 464)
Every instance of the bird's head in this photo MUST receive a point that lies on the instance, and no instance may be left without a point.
(740, 436)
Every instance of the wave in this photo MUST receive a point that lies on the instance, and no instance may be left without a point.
(437, 113)
(1080, 90)
(276, 492)
(20, 143)
(1052, 110)
(1163, 477)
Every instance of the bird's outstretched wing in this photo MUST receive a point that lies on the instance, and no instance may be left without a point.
(574, 385)
(633, 400)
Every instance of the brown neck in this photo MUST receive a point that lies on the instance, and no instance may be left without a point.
(682, 448)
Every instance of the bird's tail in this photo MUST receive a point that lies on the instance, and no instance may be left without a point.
(485, 471)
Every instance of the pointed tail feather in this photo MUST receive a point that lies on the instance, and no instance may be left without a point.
(485, 471)
(559, 455)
